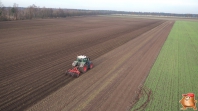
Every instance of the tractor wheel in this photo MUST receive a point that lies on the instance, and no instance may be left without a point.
(91, 65)
(83, 69)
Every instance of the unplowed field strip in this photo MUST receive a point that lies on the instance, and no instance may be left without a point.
(35, 54)
(111, 85)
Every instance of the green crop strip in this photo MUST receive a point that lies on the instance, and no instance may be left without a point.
(175, 71)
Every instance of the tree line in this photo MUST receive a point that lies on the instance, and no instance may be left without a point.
(33, 11)
(165, 14)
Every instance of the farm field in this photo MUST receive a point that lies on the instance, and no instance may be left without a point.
(35, 54)
(175, 70)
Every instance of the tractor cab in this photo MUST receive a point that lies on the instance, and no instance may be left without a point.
(82, 58)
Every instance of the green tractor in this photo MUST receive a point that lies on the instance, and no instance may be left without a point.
(81, 65)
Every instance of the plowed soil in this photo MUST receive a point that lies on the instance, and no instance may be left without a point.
(35, 54)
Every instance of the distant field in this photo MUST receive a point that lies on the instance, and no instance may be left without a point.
(154, 17)
(175, 71)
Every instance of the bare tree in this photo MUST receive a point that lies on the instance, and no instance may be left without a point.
(43, 12)
(46, 12)
(50, 12)
(9, 12)
(31, 12)
(1, 9)
(3, 12)
(58, 13)
(32, 9)
(15, 10)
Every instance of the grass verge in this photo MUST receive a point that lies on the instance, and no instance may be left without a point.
(175, 71)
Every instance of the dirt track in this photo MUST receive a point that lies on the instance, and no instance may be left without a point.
(35, 55)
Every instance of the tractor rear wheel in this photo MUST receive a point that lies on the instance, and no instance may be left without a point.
(83, 69)
(91, 65)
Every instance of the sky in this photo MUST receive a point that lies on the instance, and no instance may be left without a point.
(166, 6)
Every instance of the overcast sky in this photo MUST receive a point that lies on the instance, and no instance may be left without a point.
(168, 6)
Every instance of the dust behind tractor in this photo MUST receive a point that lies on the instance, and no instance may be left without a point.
(81, 65)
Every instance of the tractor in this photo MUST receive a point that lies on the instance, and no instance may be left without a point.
(81, 65)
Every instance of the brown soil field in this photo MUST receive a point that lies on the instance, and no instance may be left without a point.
(36, 53)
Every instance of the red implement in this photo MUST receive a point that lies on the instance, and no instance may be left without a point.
(73, 72)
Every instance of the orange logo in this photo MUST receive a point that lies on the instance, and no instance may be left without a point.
(188, 101)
